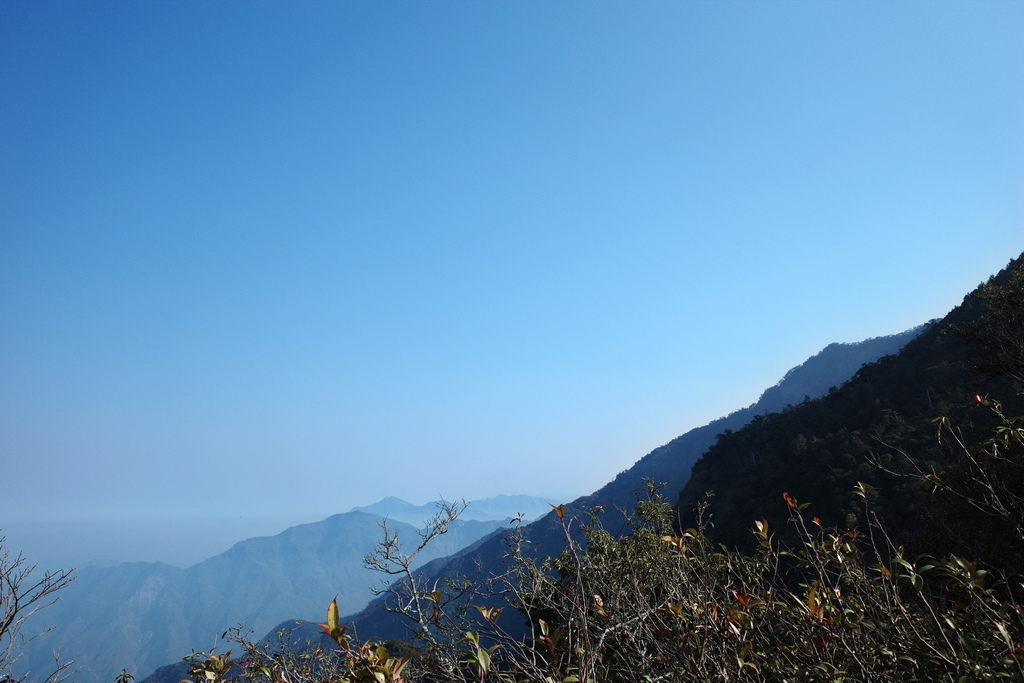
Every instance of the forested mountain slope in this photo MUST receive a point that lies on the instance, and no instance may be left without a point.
(879, 426)
(669, 465)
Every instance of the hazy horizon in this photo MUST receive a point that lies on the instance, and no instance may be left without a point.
(181, 540)
(177, 540)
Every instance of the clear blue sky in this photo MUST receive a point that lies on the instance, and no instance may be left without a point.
(287, 258)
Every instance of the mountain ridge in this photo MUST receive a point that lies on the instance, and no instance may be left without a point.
(881, 426)
(494, 508)
(671, 462)
(143, 614)
(668, 464)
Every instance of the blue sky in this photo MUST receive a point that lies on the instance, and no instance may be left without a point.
(280, 259)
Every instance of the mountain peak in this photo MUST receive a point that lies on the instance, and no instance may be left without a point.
(489, 509)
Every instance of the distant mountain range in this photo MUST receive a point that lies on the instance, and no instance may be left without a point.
(141, 615)
(669, 464)
(878, 428)
(499, 507)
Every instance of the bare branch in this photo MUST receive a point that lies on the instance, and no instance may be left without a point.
(21, 596)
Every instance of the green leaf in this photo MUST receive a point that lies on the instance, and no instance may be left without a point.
(483, 657)
(333, 615)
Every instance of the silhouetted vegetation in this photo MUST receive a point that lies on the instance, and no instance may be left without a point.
(24, 591)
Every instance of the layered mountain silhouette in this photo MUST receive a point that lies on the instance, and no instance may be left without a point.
(144, 614)
(877, 427)
(147, 614)
(669, 464)
(498, 507)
